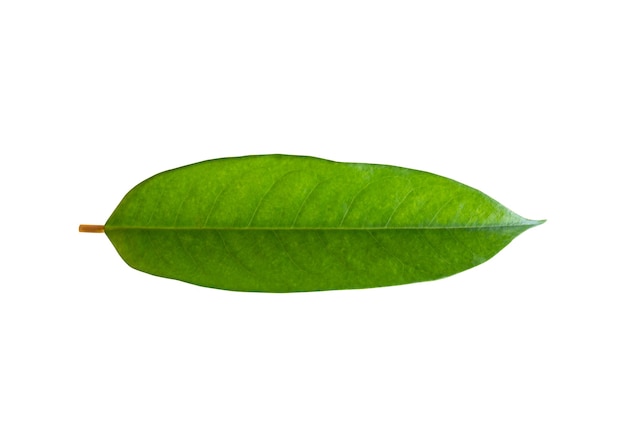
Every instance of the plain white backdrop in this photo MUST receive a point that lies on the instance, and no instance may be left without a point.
(522, 100)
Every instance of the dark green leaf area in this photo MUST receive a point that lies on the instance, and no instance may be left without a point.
(287, 261)
(282, 223)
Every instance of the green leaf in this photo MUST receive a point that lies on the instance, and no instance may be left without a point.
(279, 223)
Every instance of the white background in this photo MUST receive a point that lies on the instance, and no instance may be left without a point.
(522, 100)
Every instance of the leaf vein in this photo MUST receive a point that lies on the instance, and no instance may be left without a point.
(157, 203)
(439, 210)
(274, 183)
(398, 207)
(284, 247)
(386, 250)
(213, 206)
(352, 202)
(303, 202)
(234, 257)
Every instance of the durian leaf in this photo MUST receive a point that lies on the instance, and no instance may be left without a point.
(280, 223)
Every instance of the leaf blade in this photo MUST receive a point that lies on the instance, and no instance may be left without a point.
(282, 223)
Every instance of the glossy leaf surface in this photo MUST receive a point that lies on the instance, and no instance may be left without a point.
(280, 223)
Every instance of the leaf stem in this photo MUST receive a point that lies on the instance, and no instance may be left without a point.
(91, 228)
